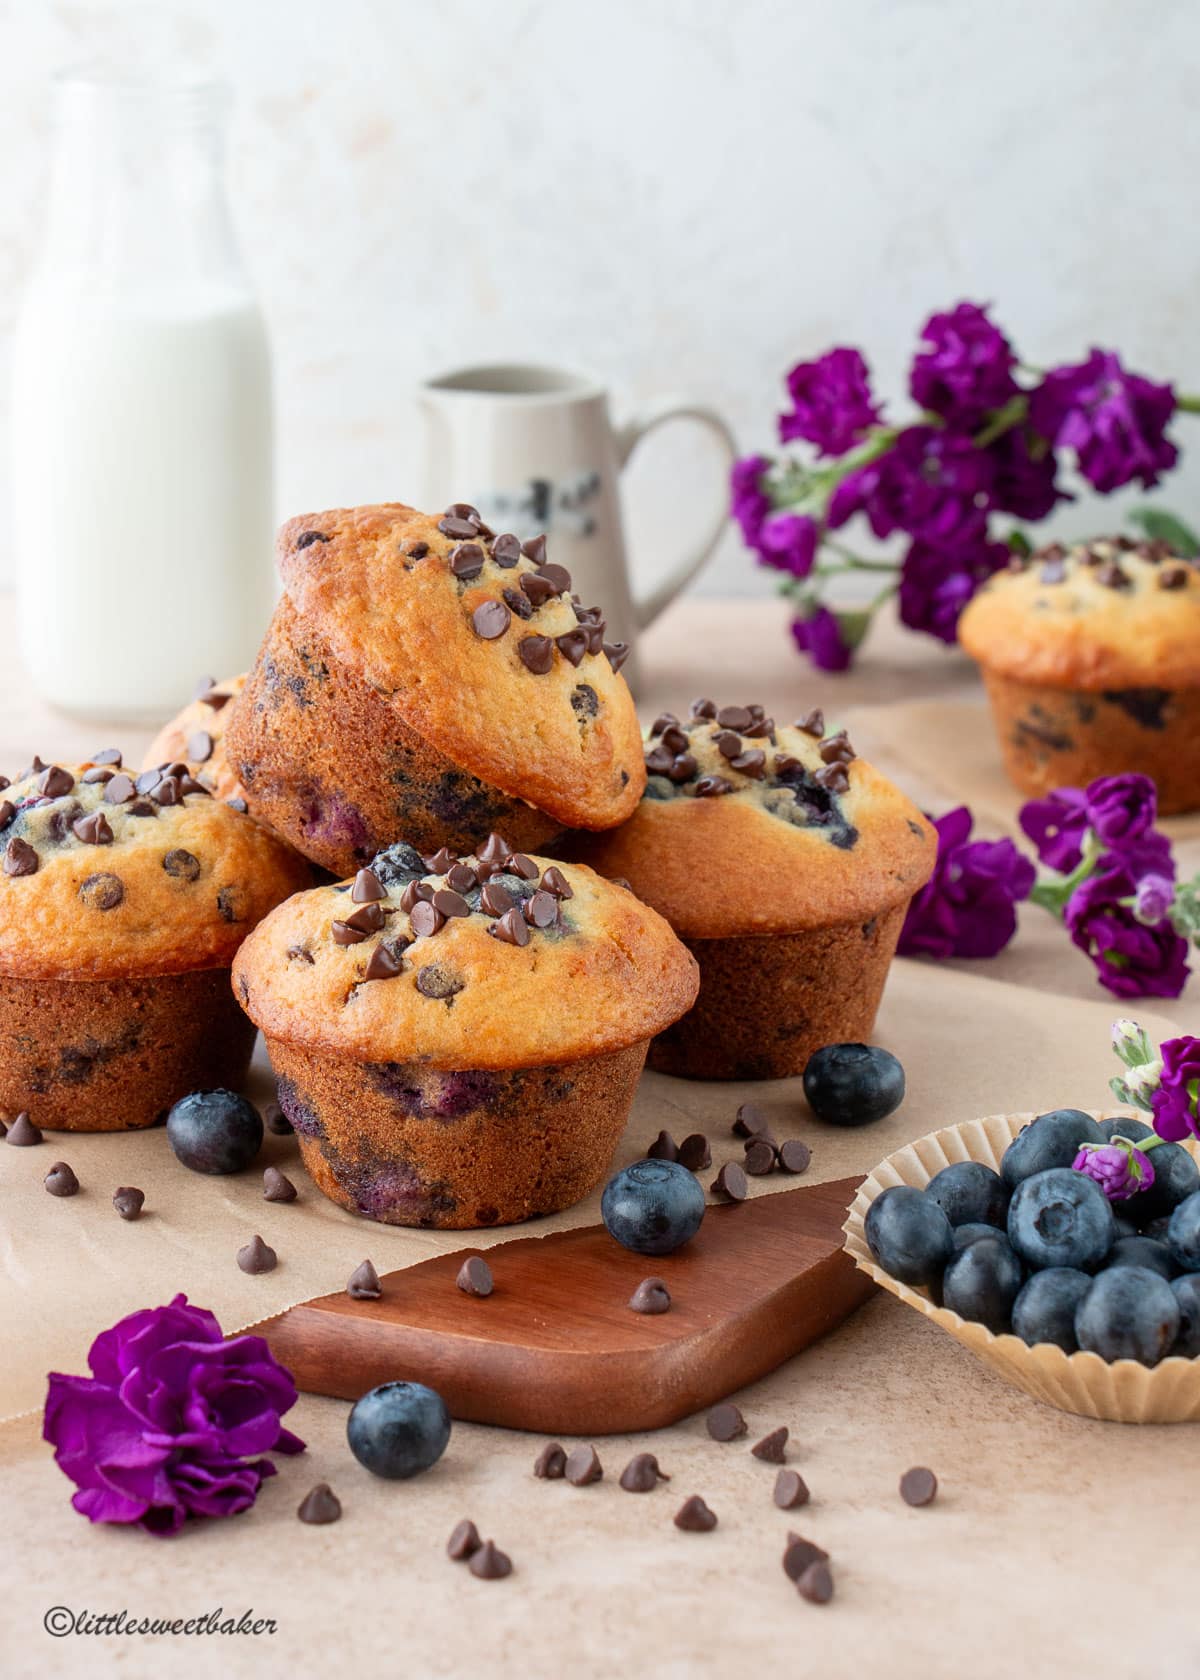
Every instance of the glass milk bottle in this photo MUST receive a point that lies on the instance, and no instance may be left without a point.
(141, 416)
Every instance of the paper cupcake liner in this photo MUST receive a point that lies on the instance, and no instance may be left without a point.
(1123, 1392)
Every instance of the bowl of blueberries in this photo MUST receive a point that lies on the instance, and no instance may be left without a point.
(1089, 1304)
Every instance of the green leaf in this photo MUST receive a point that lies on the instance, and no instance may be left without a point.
(1161, 526)
(1018, 542)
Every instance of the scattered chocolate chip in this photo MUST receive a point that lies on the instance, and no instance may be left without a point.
(535, 550)
(506, 550)
(181, 865)
(200, 747)
(659, 760)
(256, 1257)
(493, 852)
(511, 928)
(524, 867)
(752, 764)
(735, 717)
(129, 1201)
(107, 756)
(761, 728)
(102, 892)
(466, 560)
(800, 1554)
(583, 1467)
(364, 1284)
(277, 1187)
(450, 903)
(751, 1122)
(772, 1447)
(759, 1158)
(491, 619)
(464, 1541)
(20, 857)
(727, 743)
(791, 1490)
(464, 510)
(694, 1152)
(119, 791)
(168, 791)
(704, 708)
(573, 644)
(836, 749)
(550, 1463)
(489, 1563)
(384, 963)
(711, 787)
(452, 526)
(307, 538)
(322, 1505)
(816, 1584)
(536, 653)
(415, 892)
(554, 881)
(683, 769)
(61, 1180)
(475, 1276)
(664, 1148)
(460, 878)
(426, 920)
(541, 910)
(537, 588)
(93, 829)
(794, 1156)
(616, 653)
(813, 723)
(694, 1516)
(725, 1422)
(730, 1183)
(96, 777)
(344, 934)
(833, 778)
(143, 808)
(367, 888)
(918, 1486)
(642, 1474)
(300, 953)
(55, 783)
(275, 1119)
(651, 1297)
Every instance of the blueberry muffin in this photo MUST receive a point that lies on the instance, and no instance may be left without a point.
(425, 677)
(1091, 659)
(458, 1039)
(196, 737)
(122, 901)
(785, 863)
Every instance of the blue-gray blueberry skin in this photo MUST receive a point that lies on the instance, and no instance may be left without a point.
(1052, 1140)
(215, 1132)
(1183, 1233)
(652, 1207)
(1176, 1177)
(965, 1235)
(1045, 1309)
(1142, 1251)
(968, 1192)
(982, 1282)
(909, 1235)
(1186, 1290)
(1133, 1130)
(853, 1084)
(398, 1430)
(1060, 1218)
(1129, 1312)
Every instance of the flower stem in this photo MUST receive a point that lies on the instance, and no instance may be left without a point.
(1189, 405)
(1003, 420)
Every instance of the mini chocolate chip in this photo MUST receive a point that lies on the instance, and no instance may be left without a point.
(518, 604)
(426, 920)
(694, 1516)
(813, 723)
(20, 857)
(256, 1257)
(277, 1187)
(1173, 577)
(452, 526)
(550, 1463)
(23, 1134)
(694, 1152)
(364, 1284)
(367, 888)
(7, 812)
(704, 708)
(664, 1148)
(918, 1486)
(558, 577)
(790, 1490)
(493, 851)
(759, 1158)
(816, 1584)
(1112, 576)
(836, 749)
(475, 1276)
(833, 778)
(583, 1467)
(491, 619)
(511, 928)
(129, 1201)
(554, 881)
(368, 918)
(321, 1505)
(344, 934)
(735, 717)
(102, 892)
(466, 560)
(107, 755)
(460, 878)
(573, 644)
(120, 790)
(616, 653)
(535, 549)
(506, 550)
(384, 963)
(489, 1563)
(711, 787)
(200, 747)
(55, 783)
(536, 653)
(727, 743)
(61, 1180)
(436, 981)
(642, 1474)
(300, 953)
(464, 1540)
(772, 1447)
(181, 865)
(800, 1554)
(794, 1156)
(651, 1297)
(541, 911)
(683, 769)
(418, 550)
(725, 1422)
(275, 1120)
(522, 866)
(730, 1183)
(307, 538)
(415, 892)
(93, 829)
(450, 903)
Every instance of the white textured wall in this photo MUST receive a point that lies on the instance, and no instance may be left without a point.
(682, 195)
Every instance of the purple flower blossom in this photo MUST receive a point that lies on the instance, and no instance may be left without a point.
(749, 504)
(1023, 482)
(930, 483)
(819, 635)
(965, 367)
(1153, 899)
(1176, 1103)
(163, 1427)
(968, 906)
(788, 542)
(831, 402)
(1114, 421)
(936, 584)
(1119, 1168)
(1120, 810)
(1132, 960)
(1057, 825)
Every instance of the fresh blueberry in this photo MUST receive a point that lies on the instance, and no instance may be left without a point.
(965, 1235)
(398, 1429)
(970, 1193)
(909, 1235)
(1134, 1130)
(1128, 1313)
(1142, 1251)
(853, 1084)
(982, 1282)
(1052, 1140)
(1126, 1228)
(1183, 1233)
(1045, 1309)
(653, 1207)
(1186, 1290)
(1156, 1228)
(1176, 1177)
(1060, 1218)
(214, 1131)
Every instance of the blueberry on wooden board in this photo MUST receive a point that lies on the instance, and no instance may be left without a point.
(652, 1207)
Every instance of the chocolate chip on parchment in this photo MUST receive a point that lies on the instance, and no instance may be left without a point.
(583, 1467)
(93, 829)
(694, 1152)
(918, 1486)
(489, 1563)
(129, 1201)
(725, 1422)
(491, 619)
(464, 1540)
(367, 888)
(730, 1183)
(772, 1447)
(794, 1156)
(275, 1120)
(751, 1122)
(511, 928)
(816, 1584)
(759, 1158)
(536, 653)
(475, 1276)
(20, 857)
(694, 1516)
(102, 892)
(664, 1148)
(506, 550)
(651, 1297)
(277, 1187)
(642, 1474)
(364, 1284)
(550, 1463)
(181, 865)
(61, 1180)
(321, 1505)
(466, 560)
(256, 1257)
(791, 1490)
(800, 1554)
(23, 1134)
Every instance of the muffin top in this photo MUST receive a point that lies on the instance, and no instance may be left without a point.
(493, 960)
(747, 826)
(479, 645)
(105, 874)
(196, 737)
(1108, 614)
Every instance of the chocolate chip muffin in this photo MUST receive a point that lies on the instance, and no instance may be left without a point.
(458, 1039)
(1091, 659)
(122, 901)
(195, 737)
(785, 863)
(426, 677)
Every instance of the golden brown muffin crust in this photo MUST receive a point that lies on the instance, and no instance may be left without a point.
(196, 737)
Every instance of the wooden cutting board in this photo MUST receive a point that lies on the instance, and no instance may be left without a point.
(556, 1349)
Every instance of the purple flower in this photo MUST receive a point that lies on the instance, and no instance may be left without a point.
(788, 542)
(966, 369)
(1114, 421)
(1120, 810)
(930, 483)
(1119, 1168)
(1057, 825)
(1176, 1103)
(820, 636)
(163, 1427)
(968, 906)
(936, 583)
(1023, 481)
(1132, 960)
(831, 402)
(1153, 899)
(749, 504)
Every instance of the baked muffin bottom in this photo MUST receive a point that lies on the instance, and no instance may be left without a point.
(113, 1055)
(768, 1001)
(410, 1145)
(1055, 737)
(326, 763)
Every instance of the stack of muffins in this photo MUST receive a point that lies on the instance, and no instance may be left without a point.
(459, 1019)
